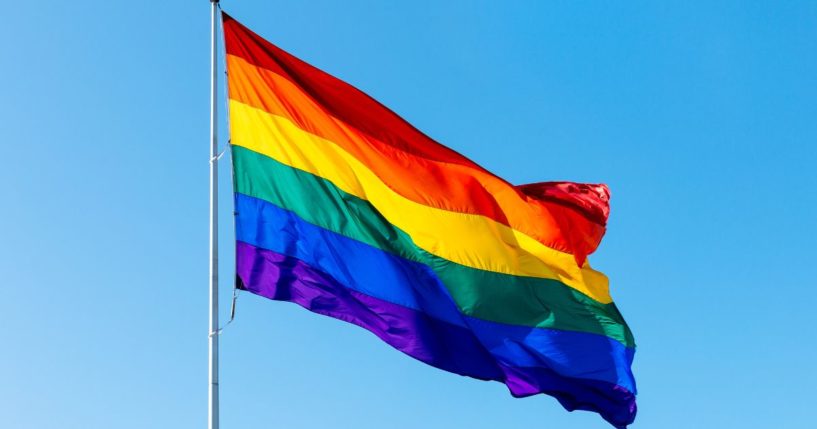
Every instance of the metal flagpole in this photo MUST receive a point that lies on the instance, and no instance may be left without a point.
(212, 405)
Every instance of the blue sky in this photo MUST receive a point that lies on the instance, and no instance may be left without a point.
(700, 117)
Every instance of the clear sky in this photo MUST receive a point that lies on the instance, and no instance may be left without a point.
(701, 117)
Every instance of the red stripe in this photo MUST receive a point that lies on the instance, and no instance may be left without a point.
(570, 208)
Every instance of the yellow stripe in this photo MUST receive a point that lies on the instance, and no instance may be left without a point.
(467, 239)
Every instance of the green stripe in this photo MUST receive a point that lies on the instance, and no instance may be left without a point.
(497, 297)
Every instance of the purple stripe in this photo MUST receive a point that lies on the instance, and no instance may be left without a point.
(437, 343)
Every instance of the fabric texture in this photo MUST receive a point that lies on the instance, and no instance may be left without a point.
(347, 210)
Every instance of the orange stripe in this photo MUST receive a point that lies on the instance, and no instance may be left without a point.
(445, 186)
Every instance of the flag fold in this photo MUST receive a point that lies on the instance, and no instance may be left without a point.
(346, 209)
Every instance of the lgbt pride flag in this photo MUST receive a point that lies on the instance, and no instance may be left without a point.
(344, 208)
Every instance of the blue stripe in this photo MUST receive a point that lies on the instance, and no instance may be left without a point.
(442, 345)
(371, 271)
(352, 263)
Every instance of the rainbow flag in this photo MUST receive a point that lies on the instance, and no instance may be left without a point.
(344, 208)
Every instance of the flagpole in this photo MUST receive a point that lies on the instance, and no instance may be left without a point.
(212, 405)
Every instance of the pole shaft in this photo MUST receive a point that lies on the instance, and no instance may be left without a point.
(212, 415)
